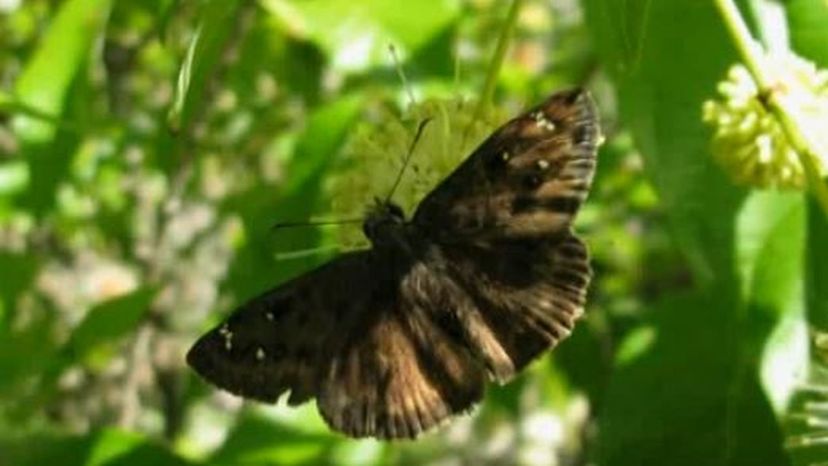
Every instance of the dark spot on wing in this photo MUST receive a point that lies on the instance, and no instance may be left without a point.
(532, 181)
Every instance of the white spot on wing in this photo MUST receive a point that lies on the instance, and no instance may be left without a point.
(542, 122)
(260, 354)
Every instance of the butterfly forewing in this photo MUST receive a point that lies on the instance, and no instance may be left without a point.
(486, 276)
(527, 179)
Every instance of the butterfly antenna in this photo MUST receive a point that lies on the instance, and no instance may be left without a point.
(314, 223)
(407, 159)
(396, 59)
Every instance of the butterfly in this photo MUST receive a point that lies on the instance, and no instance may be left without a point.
(484, 277)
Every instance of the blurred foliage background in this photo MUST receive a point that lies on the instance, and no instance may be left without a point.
(147, 146)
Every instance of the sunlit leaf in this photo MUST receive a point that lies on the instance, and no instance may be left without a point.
(60, 56)
(356, 34)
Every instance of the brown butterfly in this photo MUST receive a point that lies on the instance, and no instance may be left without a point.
(486, 276)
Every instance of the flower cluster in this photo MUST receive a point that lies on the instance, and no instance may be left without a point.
(376, 154)
(749, 142)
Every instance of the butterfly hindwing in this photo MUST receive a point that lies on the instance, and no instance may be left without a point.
(527, 179)
(277, 341)
(398, 376)
(351, 335)
(526, 295)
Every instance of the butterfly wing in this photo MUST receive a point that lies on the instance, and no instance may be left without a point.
(528, 179)
(348, 335)
(501, 222)
(519, 297)
(389, 345)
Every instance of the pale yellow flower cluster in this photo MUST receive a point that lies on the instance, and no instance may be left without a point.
(375, 155)
(749, 142)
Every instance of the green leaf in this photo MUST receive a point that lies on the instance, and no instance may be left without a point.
(110, 447)
(257, 440)
(48, 75)
(682, 402)
(25, 352)
(662, 78)
(216, 22)
(41, 92)
(817, 268)
(357, 34)
(770, 247)
(693, 396)
(319, 143)
(771, 233)
(255, 268)
(809, 36)
(109, 321)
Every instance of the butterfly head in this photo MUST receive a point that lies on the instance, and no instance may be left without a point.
(385, 223)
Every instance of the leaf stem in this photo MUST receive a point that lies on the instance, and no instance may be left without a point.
(496, 64)
(752, 54)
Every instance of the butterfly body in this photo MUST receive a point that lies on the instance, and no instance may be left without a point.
(483, 278)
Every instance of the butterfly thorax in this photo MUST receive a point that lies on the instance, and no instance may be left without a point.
(385, 225)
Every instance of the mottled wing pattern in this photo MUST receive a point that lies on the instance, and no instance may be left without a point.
(399, 374)
(524, 297)
(527, 179)
(277, 341)
(350, 335)
(502, 225)
(488, 276)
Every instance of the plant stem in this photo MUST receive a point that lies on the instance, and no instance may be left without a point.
(752, 55)
(499, 56)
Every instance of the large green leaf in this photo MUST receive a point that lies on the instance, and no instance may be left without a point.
(771, 232)
(666, 58)
(44, 87)
(64, 49)
(694, 396)
(682, 403)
